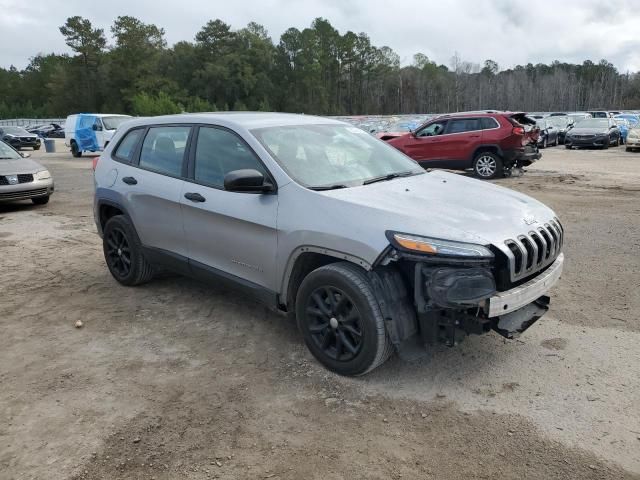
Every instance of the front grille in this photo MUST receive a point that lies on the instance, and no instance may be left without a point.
(531, 252)
(25, 178)
(38, 192)
(28, 139)
(22, 178)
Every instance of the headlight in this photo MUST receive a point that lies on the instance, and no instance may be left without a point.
(633, 134)
(436, 246)
(43, 175)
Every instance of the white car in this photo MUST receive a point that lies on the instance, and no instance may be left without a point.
(22, 178)
(91, 132)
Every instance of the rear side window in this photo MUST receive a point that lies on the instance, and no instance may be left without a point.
(163, 149)
(127, 146)
(461, 125)
(488, 123)
(219, 152)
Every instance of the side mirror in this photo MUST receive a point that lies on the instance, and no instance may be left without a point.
(247, 180)
(25, 154)
(97, 128)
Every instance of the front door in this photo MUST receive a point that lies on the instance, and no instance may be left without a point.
(426, 145)
(229, 233)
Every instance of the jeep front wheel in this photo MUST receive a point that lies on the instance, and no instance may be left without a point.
(341, 321)
(487, 165)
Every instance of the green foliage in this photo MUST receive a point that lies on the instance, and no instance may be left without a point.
(146, 105)
(316, 70)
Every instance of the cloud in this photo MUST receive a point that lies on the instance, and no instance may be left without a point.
(508, 32)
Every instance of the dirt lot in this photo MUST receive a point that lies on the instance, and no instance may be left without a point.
(177, 379)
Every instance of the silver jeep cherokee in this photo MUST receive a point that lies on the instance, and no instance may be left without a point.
(315, 217)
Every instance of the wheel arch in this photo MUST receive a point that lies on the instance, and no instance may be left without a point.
(488, 147)
(107, 209)
(303, 261)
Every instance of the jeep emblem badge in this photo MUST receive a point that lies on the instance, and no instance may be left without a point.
(530, 220)
(12, 179)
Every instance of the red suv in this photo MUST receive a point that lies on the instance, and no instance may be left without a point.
(490, 143)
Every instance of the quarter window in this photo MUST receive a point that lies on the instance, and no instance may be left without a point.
(488, 123)
(163, 149)
(219, 152)
(127, 146)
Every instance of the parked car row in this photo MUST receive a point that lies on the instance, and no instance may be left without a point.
(49, 130)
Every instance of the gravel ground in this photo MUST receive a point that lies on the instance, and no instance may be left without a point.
(177, 379)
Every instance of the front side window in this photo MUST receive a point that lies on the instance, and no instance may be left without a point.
(219, 152)
(333, 156)
(436, 128)
(163, 149)
(127, 146)
(111, 123)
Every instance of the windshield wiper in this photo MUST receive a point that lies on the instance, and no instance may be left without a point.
(389, 176)
(327, 187)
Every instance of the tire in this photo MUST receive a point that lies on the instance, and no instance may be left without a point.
(340, 319)
(487, 165)
(40, 200)
(544, 143)
(35, 149)
(629, 149)
(75, 151)
(606, 145)
(568, 147)
(123, 252)
(557, 142)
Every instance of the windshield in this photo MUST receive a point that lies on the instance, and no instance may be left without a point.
(8, 153)
(593, 123)
(111, 123)
(326, 156)
(15, 131)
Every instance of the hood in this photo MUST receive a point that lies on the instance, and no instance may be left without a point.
(19, 165)
(588, 130)
(444, 205)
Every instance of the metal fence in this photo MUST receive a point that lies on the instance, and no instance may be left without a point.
(24, 122)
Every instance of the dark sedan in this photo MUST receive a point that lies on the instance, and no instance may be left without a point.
(51, 130)
(548, 133)
(19, 138)
(593, 132)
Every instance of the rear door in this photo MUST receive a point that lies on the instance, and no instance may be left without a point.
(425, 146)
(151, 184)
(459, 141)
(229, 234)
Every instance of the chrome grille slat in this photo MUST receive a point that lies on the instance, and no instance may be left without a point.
(533, 251)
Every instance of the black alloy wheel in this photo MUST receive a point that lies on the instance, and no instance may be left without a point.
(118, 252)
(334, 323)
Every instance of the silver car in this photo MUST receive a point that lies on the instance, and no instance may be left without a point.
(22, 178)
(313, 216)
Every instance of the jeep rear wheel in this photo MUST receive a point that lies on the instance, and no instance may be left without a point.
(341, 321)
(487, 165)
(123, 252)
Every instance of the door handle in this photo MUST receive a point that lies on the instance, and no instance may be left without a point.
(195, 197)
(129, 180)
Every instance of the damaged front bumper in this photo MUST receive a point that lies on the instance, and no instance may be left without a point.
(452, 301)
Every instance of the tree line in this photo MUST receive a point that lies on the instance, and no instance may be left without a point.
(316, 70)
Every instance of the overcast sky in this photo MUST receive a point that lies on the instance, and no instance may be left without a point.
(509, 31)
